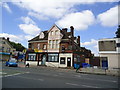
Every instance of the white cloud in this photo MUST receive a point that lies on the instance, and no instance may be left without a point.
(43, 9)
(92, 45)
(29, 29)
(38, 16)
(109, 18)
(92, 42)
(6, 6)
(28, 37)
(27, 20)
(80, 20)
(12, 37)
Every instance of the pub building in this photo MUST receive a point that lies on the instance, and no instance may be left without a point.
(56, 48)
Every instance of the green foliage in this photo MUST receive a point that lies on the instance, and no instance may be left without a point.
(118, 32)
(17, 46)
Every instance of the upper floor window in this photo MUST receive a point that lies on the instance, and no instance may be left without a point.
(63, 48)
(8, 49)
(57, 44)
(44, 46)
(3, 42)
(2, 48)
(52, 33)
(56, 32)
(50, 44)
(38, 46)
(53, 43)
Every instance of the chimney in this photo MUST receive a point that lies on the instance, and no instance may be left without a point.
(72, 30)
(7, 38)
(64, 30)
(78, 41)
(3, 38)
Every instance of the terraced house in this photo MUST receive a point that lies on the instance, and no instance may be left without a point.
(6, 49)
(57, 48)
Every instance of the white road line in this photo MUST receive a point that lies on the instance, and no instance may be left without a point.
(14, 74)
(41, 79)
(77, 75)
(55, 75)
(60, 73)
(31, 78)
(82, 85)
(102, 80)
(11, 75)
(72, 84)
(90, 86)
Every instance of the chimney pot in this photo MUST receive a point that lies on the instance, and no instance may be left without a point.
(8, 38)
(64, 30)
(78, 41)
(72, 30)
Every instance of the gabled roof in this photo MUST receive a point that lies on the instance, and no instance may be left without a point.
(53, 27)
(65, 34)
(37, 37)
(2, 38)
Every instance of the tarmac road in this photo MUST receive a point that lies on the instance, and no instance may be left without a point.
(47, 77)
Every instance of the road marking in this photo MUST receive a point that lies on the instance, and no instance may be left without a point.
(11, 75)
(41, 79)
(90, 86)
(102, 80)
(31, 78)
(60, 73)
(55, 75)
(14, 74)
(82, 85)
(72, 84)
(77, 75)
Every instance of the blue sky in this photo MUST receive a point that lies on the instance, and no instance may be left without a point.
(92, 20)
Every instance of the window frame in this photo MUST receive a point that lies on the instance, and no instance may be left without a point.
(54, 56)
(62, 62)
(44, 46)
(31, 55)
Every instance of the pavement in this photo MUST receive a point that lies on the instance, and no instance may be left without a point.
(49, 77)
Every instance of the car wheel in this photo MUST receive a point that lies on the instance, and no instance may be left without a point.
(8, 65)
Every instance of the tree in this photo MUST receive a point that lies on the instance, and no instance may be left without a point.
(118, 32)
(17, 46)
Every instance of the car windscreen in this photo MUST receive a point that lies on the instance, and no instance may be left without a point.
(13, 61)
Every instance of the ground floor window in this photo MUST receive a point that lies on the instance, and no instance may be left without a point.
(52, 57)
(62, 60)
(31, 57)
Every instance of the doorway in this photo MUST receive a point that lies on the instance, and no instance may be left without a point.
(68, 62)
(43, 59)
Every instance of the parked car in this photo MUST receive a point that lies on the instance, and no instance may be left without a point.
(12, 62)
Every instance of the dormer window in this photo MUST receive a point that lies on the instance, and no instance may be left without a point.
(69, 36)
(41, 35)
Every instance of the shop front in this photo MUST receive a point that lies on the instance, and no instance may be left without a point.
(65, 60)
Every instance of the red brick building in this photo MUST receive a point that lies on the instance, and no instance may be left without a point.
(56, 47)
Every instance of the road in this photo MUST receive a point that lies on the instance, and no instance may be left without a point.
(47, 77)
